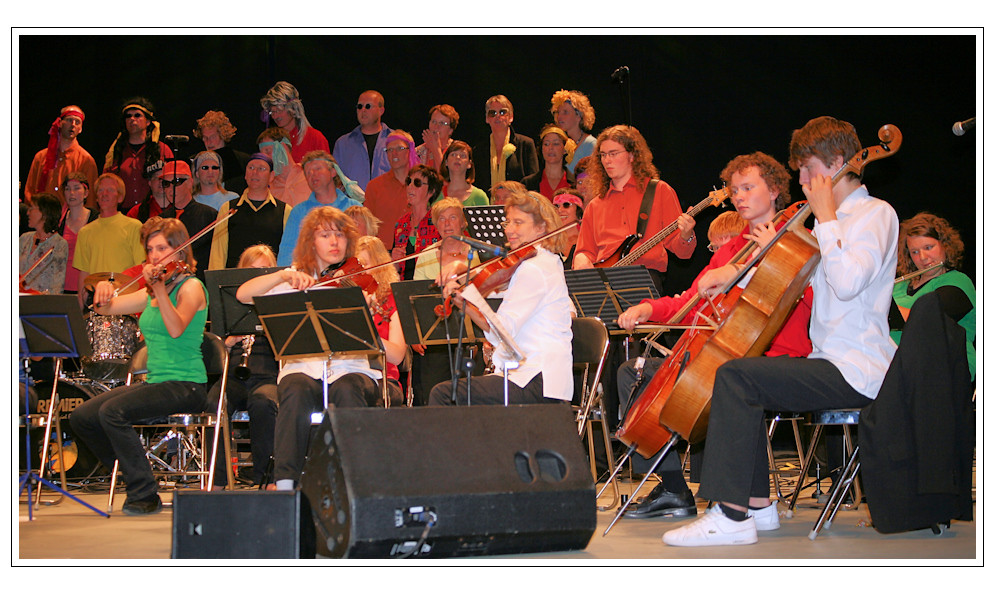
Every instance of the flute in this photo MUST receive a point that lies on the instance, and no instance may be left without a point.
(918, 272)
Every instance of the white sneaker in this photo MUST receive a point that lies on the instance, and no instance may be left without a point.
(765, 518)
(713, 529)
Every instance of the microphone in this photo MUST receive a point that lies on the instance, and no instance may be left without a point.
(620, 73)
(961, 127)
(482, 246)
(177, 138)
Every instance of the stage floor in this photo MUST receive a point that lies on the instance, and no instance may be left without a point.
(73, 534)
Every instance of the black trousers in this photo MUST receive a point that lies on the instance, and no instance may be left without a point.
(489, 390)
(736, 465)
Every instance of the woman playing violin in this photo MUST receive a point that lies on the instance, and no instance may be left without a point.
(930, 244)
(759, 187)
(327, 241)
(535, 313)
(173, 313)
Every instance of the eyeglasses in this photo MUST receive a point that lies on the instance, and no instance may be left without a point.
(206, 167)
(395, 149)
(610, 154)
(439, 123)
(364, 106)
(134, 115)
(564, 205)
(491, 112)
(174, 182)
(418, 182)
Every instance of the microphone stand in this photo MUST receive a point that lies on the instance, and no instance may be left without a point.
(456, 362)
(621, 77)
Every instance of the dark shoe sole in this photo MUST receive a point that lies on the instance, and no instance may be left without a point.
(675, 512)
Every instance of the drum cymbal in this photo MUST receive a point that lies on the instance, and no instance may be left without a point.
(119, 280)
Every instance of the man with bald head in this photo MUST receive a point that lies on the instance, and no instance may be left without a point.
(360, 153)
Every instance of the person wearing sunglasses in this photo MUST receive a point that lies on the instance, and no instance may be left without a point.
(415, 230)
(386, 194)
(135, 150)
(217, 131)
(177, 185)
(260, 217)
(208, 187)
(507, 155)
(360, 153)
(570, 206)
(282, 106)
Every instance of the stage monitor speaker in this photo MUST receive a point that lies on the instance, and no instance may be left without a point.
(236, 525)
(449, 482)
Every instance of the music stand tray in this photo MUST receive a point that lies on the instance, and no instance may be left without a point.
(416, 302)
(607, 292)
(50, 326)
(229, 316)
(483, 223)
(321, 323)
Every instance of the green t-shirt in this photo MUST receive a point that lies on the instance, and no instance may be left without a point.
(174, 359)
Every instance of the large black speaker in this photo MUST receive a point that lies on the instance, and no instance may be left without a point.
(237, 525)
(447, 482)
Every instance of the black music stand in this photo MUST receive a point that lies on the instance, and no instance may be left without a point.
(52, 326)
(484, 223)
(322, 323)
(606, 293)
(229, 315)
(416, 303)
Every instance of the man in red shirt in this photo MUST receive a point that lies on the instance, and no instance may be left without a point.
(623, 167)
(62, 156)
(758, 187)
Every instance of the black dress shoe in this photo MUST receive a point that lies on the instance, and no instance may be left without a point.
(142, 507)
(663, 503)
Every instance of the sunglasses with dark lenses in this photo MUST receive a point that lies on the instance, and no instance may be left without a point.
(212, 167)
(173, 182)
(491, 112)
(414, 180)
(364, 106)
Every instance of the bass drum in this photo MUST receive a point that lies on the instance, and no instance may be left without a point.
(114, 340)
(79, 460)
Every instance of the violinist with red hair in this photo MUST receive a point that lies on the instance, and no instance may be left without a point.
(535, 313)
(173, 312)
(328, 240)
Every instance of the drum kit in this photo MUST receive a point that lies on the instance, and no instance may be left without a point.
(114, 339)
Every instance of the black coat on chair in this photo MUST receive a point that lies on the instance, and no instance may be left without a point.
(917, 437)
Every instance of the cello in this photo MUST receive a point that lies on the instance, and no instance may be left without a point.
(743, 323)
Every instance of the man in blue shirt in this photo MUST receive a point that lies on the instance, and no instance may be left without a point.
(360, 153)
(326, 190)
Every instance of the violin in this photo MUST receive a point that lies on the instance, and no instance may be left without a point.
(351, 273)
(494, 275)
(168, 273)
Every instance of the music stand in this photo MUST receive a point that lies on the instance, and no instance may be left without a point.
(483, 223)
(229, 316)
(321, 323)
(52, 326)
(606, 293)
(416, 303)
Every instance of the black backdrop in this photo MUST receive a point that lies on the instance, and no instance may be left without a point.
(699, 100)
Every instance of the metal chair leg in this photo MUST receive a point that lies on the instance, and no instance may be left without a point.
(846, 478)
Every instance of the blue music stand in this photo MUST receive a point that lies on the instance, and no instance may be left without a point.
(51, 326)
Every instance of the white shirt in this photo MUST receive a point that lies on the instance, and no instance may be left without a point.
(536, 313)
(314, 366)
(852, 288)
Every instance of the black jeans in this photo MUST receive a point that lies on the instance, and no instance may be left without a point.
(736, 465)
(300, 395)
(489, 390)
(106, 422)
